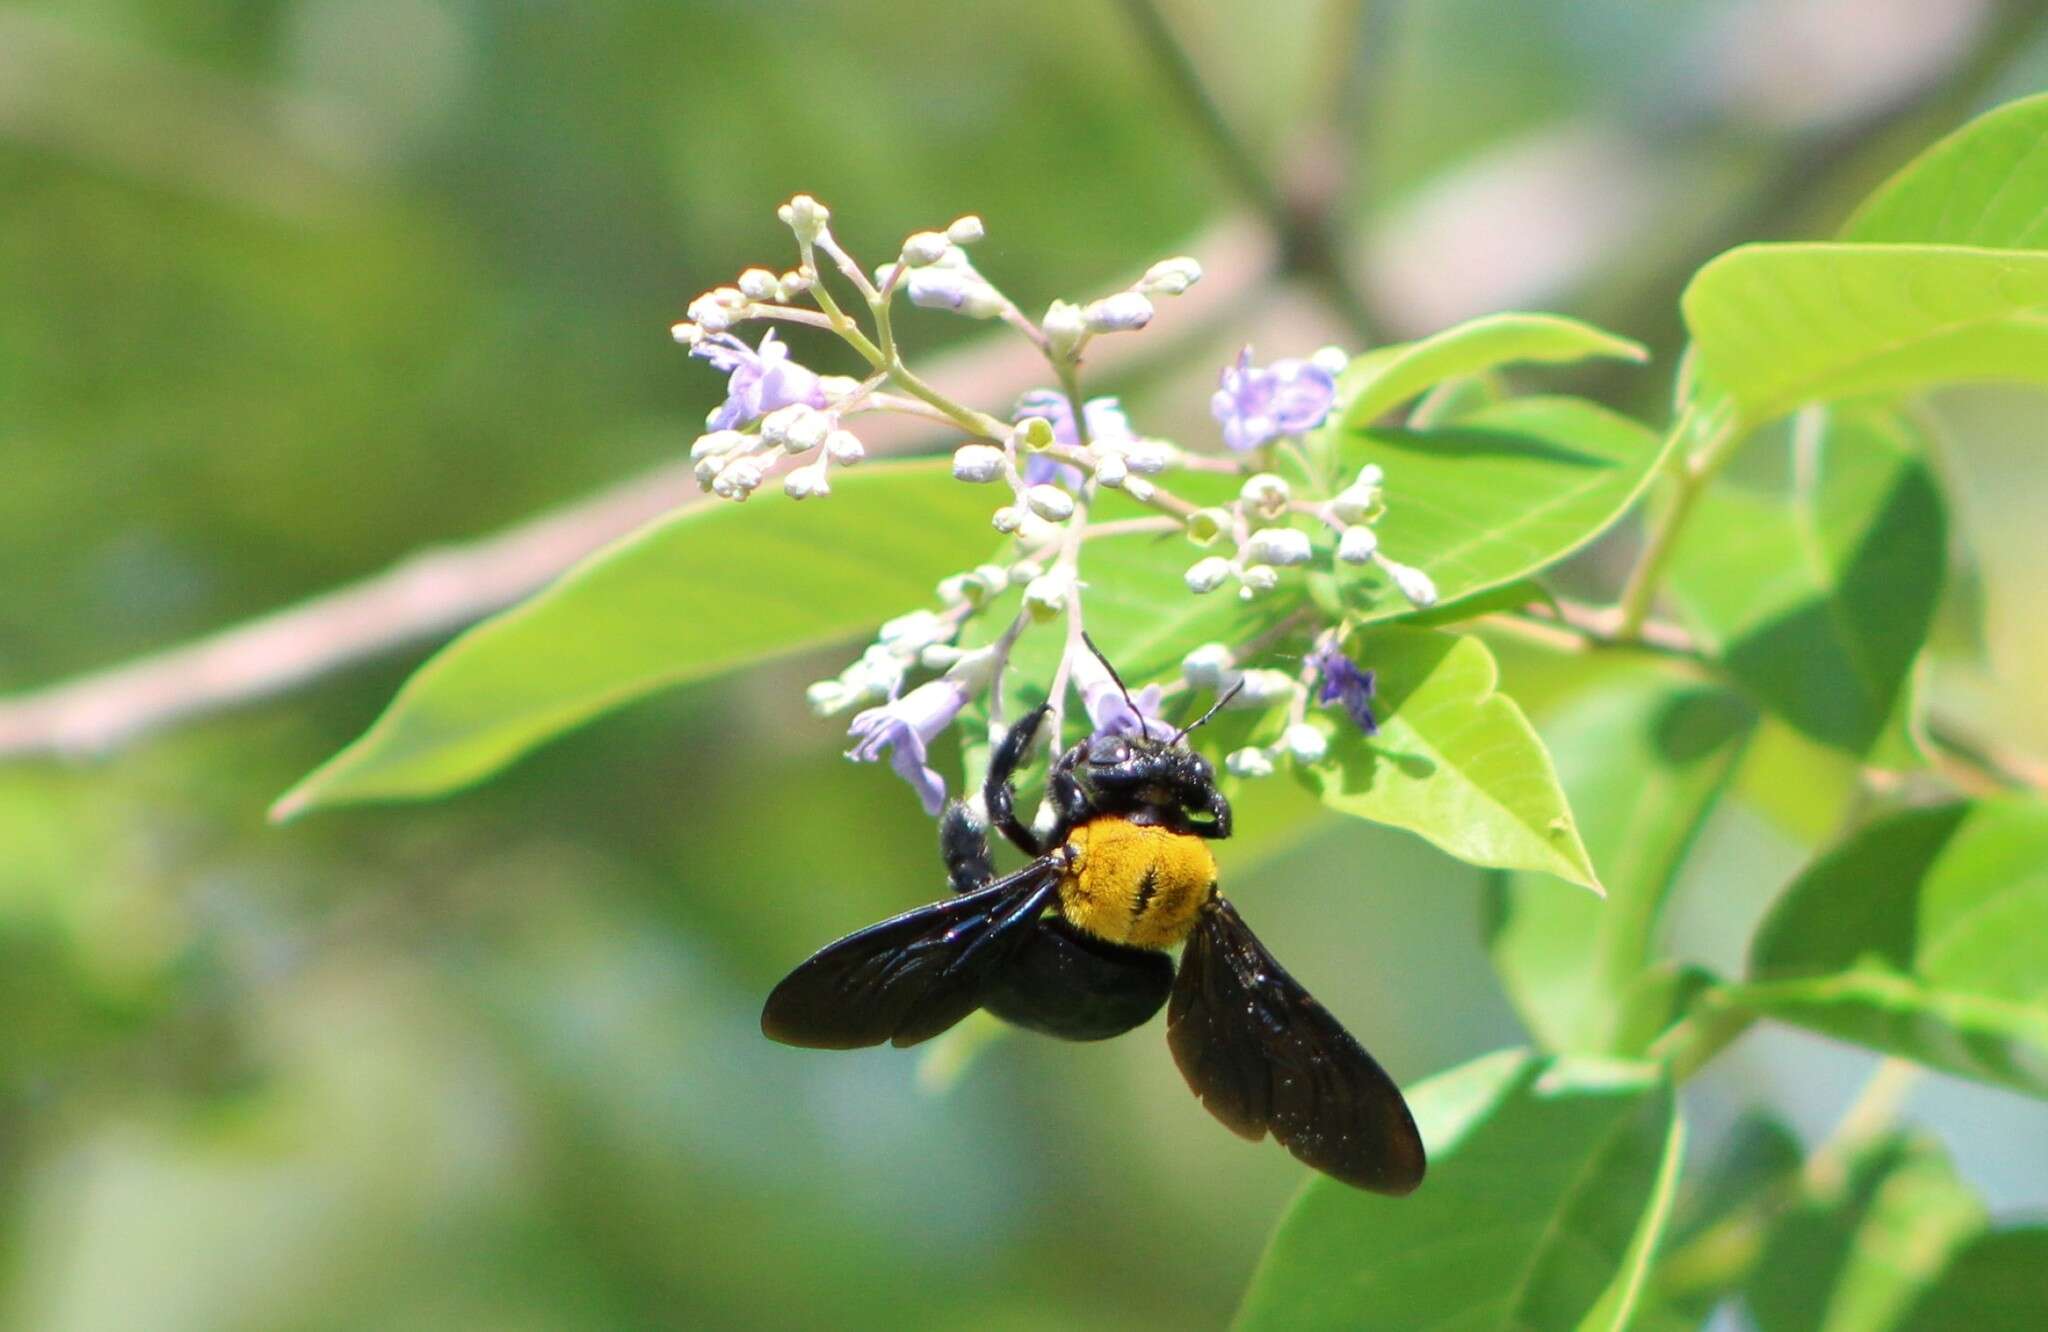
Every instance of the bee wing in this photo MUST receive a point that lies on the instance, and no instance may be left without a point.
(912, 976)
(1264, 1056)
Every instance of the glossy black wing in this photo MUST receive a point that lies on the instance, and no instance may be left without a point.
(1076, 987)
(1264, 1056)
(912, 976)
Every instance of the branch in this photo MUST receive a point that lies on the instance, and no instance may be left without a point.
(431, 594)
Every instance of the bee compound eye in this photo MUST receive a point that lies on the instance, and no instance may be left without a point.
(1108, 749)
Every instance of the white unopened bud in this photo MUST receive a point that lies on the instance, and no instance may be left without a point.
(1034, 432)
(1121, 313)
(1305, 743)
(1372, 474)
(1112, 470)
(1278, 545)
(1256, 578)
(807, 430)
(1265, 494)
(1008, 518)
(707, 471)
(719, 444)
(1139, 489)
(807, 482)
(1248, 762)
(979, 463)
(1045, 597)
(1210, 666)
(1263, 688)
(1150, 456)
(1050, 503)
(1208, 575)
(737, 479)
(1064, 327)
(1205, 525)
(718, 309)
(794, 283)
(910, 632)
(805, 216)
(981, 302)
(1023, 571)
(844, 447)
(1414, 584)
(827, 697)
(1171, 277)
(965, 230)
(926, 247)
(974, 669)
(759, 284)
(688, 334)
(778, 424)
(1355, 504)
(1357, 545)
(1330, 359)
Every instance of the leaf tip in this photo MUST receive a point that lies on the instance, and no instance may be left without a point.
(291, 804)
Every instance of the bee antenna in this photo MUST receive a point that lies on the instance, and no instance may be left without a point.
(1143, 729)
(1214, 708)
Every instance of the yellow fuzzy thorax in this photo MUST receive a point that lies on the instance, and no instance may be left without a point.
(1136, 883)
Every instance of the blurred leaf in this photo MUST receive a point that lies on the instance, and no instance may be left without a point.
(1501, 493)
(1474, 346)
(1506, 597)
(1986, 184)
(1996, 1281)
(1818, 602)
(1926, 936)
(1853, 1262)
(1780, 326)
(1644, 761)
(1455, 398)
(1454, 760)
(707, 589)
(1718, 1229)
(1801, 786)
(1549, 1181)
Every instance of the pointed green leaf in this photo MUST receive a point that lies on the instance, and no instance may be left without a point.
(1997, 1280)
(1819, 600)
(1498, 494)
(1549, 1183)
(1925, 935)
(1644, 760)
(1986, 184)
(704, 590)
(1780, 326)
(1855, 1258)
(1454, 760)
(1474, 346)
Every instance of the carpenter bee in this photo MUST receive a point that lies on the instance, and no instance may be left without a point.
(1073, 945)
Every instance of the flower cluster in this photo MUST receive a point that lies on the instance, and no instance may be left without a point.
(1054, 454)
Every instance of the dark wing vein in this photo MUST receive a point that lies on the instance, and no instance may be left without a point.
(1264, 1056)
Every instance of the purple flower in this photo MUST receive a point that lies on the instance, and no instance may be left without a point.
(762, 380)
(1107, 708)
(1343, 682)
(1258, 404)
(904, 727)
(1107, 424)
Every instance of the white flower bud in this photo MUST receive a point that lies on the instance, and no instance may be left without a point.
(801, 429)
(1035, 532)
(1023, 571)
(1112, 470)
(1064, 327)
(940, 656)
(1355, 504)
(1263, 688)
(996, 576)
(1008, 518)
(707, 471)
(844, 447)
(1121, 313)
(1050, 503)
(1139, 489)
(688, 334)
(718, 309)
(1278, 545)
(1248, 762)
(1372, 474)
(1205, 525)
(1210, 666)
(719, 444)
(778, 425)
(807, 482)
(1330, 359)
(1265, 494)
(959, 590)
(979, 463)
(1033, 432)
(805, 216)
(1414, 584)
(965, 230)
(886, 275)
(827, 697)
(794, 283)
(1170, 277)
(1208, 575)
(1256, 578)
(1045, 597)
(758, 284)
(926, 247)
(981, 302)
(975, 669)
(1357, 545)
(1305, 743)
(1150, 456)
(737, 479)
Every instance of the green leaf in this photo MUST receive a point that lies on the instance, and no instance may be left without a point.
(1819, 600)
(1986, 185)
(1854, 1259)
(705, 590)
(1501, 493)
(1925, 935)
(1718, 1230)
(1998, 1280)
(1454, 760)
(1472, 347)
(1780, 326)
(1643, 760)
(1549, 1182)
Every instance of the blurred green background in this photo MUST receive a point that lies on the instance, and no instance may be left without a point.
(289, 290)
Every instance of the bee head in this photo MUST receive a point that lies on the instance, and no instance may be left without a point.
(1129, 770)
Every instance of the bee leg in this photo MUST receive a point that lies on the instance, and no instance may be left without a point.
(963, 843)
(1000, 792)
(1069, 802)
